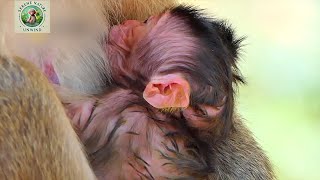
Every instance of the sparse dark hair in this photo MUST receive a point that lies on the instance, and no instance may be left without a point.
(217, 72)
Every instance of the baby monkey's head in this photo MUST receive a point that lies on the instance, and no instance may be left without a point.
(178, 59)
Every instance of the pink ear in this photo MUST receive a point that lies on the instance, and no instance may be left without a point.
(167, 91)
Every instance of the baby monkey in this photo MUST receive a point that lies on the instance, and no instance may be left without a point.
(172, 98)
(32, 19)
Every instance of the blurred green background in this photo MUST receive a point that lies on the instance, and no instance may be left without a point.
(281, 63)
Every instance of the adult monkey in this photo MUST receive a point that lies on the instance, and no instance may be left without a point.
(79, 62)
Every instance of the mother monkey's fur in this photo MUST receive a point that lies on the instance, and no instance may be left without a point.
(79, 62)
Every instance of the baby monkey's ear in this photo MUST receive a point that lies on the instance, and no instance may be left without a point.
(167, 91)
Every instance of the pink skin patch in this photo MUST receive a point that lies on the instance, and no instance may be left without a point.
(51, 74)
(117, 35)
(127, 34)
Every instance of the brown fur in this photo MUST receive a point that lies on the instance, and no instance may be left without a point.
(238, 156)
(135, 9)
(36, 138)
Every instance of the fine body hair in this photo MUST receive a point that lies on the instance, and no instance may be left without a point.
(36, 138)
